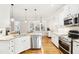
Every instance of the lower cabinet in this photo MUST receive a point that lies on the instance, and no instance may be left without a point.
(4, 47)
(75, 47)
(16, 45)
(7, 46)
(22, 44)
(55, 40)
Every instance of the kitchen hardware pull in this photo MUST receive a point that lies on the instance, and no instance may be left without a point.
(12, 50)
(11, 41)
(77, 45)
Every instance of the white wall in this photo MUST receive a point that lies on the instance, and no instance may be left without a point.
(4, 15)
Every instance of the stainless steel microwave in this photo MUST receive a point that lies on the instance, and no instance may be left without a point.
(72, 21)
(68, 21)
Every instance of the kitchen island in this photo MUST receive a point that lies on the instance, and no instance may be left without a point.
(15, 44)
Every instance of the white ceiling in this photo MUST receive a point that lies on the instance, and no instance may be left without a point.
(43, 10)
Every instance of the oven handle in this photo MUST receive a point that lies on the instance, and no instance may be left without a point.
(64, 49)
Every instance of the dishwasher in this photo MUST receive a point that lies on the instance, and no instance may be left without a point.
(36, 41)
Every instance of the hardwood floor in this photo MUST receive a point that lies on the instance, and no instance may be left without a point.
(47, 48)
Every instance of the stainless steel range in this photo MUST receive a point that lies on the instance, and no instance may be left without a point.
(66, 42)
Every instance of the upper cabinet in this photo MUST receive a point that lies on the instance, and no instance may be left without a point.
(71, 9)
(36, 26)
(4, 15)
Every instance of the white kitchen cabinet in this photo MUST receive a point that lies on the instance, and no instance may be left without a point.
(74, 8)
(22, 43)
(18, 45)
(14, 45)
(71, 9)
(75, 47)
(37, 26)
(55, 40)
(7, 46)
(26, 42)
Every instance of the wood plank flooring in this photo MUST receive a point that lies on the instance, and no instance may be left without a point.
(47, 48)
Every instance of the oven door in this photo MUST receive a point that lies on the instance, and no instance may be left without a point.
(64, 46)
(68, 21)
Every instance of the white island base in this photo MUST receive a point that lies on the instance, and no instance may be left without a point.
(14, 45)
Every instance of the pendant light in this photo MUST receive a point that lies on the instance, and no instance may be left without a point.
(35, 13)
(25, 16)
(12, 18)
(41, 19)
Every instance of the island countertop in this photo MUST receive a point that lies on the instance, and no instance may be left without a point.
(12, 36)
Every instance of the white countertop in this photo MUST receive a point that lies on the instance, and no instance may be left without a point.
(59, 34)
(36, 33)
(9, 37)
(12, 36)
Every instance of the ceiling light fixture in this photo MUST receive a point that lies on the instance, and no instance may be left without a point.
(35, 13)
(25, 15)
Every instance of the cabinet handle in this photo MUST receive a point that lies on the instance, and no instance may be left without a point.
(77, 45)
(11, 41)
(12, 50)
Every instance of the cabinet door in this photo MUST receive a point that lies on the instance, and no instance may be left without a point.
(75, 48)
(26, 42)
(4, 47)
(55, 39)
(39, 41)
(18, 45)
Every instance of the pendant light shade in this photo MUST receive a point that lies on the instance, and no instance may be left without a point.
(25, 16)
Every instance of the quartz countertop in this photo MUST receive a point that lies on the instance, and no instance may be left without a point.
(59, 34)
(9, 37)
(12, 36)
(35, 33)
